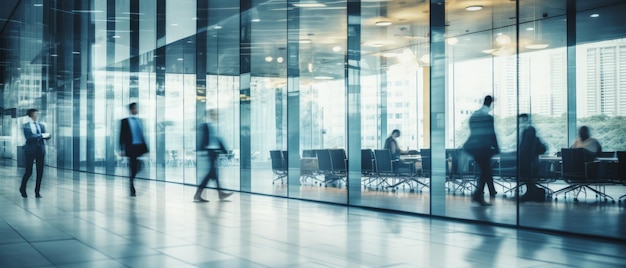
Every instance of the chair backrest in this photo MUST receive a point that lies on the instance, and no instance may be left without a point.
(308, 153)
(367, 161)
(285, 156)
(573, 163)
(324, 161)
(383, 161)
(621, 159)
(426, 161)
(460, 162)
(338, 158)
(507, 166)
(277, 160)
(606, 154)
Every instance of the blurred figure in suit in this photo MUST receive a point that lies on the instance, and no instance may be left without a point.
(529, 150)
(482, 144)
(132, 143)
(592, 146)
(34, 150)
(210, 141)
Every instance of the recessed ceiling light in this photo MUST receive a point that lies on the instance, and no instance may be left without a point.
(38, 5)
(174, 24)
(256, 20)
(452, 41)
(389, 55)
(217, 27)
(194, 18)
(337, 48)
(594, 15)
(473, 8)
(75, 52)
(280, 59)
(537, 46)
(376, 45)
(180, 59)
(530, 29)
(383, 23)
(116, 36)
(305, 41)
(488, 51)
(269, 59)
(54, 55)
(323, 77)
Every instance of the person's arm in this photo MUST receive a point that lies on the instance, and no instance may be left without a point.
(44, 133)
(29, 135)
(494, 139)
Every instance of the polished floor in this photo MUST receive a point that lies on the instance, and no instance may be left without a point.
(87, 220)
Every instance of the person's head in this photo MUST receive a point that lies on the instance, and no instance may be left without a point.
(395, 133)
(33, 114)
(134, 110)
(488, 100)
(524, 119)
(583, 133)
(213, 114)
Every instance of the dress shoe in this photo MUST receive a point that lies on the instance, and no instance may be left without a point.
(37, 195)
(23, 193)
(481, 201)
(223, 195)
(493, 195)
(133, 194)
(200, 200)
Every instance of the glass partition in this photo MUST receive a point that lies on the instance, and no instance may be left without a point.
(301, 87)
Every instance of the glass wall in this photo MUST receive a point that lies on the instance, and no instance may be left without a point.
(364, 103)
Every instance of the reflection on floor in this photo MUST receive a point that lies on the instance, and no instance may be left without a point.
(87, 220)
(588, 216)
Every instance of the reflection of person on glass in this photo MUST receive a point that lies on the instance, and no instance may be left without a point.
(34, 150)
(529, 150)
(391, 144)
(592, 146)
(211, 142)
(132, 143)
(482, 144)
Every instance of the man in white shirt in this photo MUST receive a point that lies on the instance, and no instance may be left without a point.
(210, 141)
(34, 150)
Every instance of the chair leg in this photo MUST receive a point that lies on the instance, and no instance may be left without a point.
(600, 194)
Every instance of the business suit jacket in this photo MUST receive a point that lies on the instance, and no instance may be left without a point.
(482, 134)
(126, 140)
(529, 150)
(209, 139)
(34, 141)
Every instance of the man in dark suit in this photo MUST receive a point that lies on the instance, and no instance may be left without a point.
(482, 144)
(132, 143)
(34, 150)
(210, 141)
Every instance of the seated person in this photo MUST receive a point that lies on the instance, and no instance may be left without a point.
(392, 145)
(592, 146)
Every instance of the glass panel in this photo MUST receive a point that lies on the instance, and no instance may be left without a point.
(394, 100)
(481, 62)
(268, 90)
(601, 107)
(322, 97)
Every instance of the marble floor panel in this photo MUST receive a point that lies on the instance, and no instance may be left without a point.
(88, 220)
